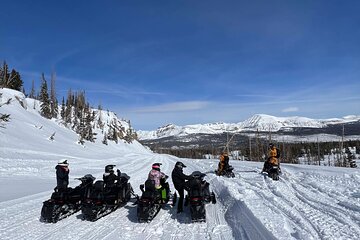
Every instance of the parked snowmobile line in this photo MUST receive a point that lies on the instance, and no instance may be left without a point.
(64, 203)
(102, 201)
(198, 196)
(151, 200)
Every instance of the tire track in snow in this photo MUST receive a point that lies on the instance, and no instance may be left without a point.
(259, 198)
(337, 217)
(300, 205)
(244, 224)
(286, 204)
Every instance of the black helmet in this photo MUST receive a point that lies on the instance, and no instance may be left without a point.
(109, 168)
(198, 175)
(180, 165)
(89, 177)
(271, 145)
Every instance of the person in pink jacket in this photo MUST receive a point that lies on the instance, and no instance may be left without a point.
(155, 174)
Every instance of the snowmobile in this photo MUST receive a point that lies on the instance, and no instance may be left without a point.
(198, 196)
(273, 171)
(151, 200)
(103, 200)
(227, 172)
(65, 202)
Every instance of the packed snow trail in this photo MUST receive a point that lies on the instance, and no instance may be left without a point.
(20, 217)
(307, 203)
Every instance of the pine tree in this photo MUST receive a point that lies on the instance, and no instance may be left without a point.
(32, 91)
(100, 124)
(62, 112)
(350, 158)
(68, 109)
(53, 100)
(104, 141)
(44, 98)
(112, 133)
(12, 80)
(4, 75)
(15, 81)
(89, 135)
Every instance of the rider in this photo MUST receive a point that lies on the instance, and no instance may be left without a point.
(110, 177)
(199, 186)
(273, 157)
(178, 178)
(62, 175)
(156, 175)
(223, 164)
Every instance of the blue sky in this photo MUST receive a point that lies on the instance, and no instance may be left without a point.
(187, 62)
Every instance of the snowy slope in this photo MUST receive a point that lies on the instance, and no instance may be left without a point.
(308, 202)
(258, 122)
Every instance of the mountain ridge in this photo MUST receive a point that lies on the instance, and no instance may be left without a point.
(258, 122)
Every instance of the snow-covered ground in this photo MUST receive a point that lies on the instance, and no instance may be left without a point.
(308, 202)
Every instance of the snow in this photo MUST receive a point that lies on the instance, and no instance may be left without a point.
(308, 202)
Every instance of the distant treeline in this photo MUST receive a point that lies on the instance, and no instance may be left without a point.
(310, 152)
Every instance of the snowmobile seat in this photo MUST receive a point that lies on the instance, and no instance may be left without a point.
(150, 191)
(150, 186)
(148, 194)
(98, 189)
(99, 186)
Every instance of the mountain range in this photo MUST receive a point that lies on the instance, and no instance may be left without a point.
(257, 123)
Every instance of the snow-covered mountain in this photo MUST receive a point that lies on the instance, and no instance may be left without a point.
(14, 102)
(258, 122)
(309, 202)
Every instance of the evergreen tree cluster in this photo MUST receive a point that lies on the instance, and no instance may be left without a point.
(74, 111)
(10, 80)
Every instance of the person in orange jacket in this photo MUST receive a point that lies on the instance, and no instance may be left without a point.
(273, 157)
(224, 162)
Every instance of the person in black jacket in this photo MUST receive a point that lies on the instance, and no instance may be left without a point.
(62, 175)
(178, 178)
(110, 178)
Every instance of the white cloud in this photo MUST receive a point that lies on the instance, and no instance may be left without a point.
(174, 107)
(290, 109)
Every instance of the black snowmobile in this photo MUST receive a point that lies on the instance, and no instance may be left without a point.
(273, 171)
(103, 200)
(152, 200)
(227, 172)
(64, 203)
(198, 195)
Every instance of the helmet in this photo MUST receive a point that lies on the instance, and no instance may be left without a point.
(63, 163)
(271, 145)
(89, 177)
(180, 165)
(156, 166)
(109, 168)
(198, 175)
